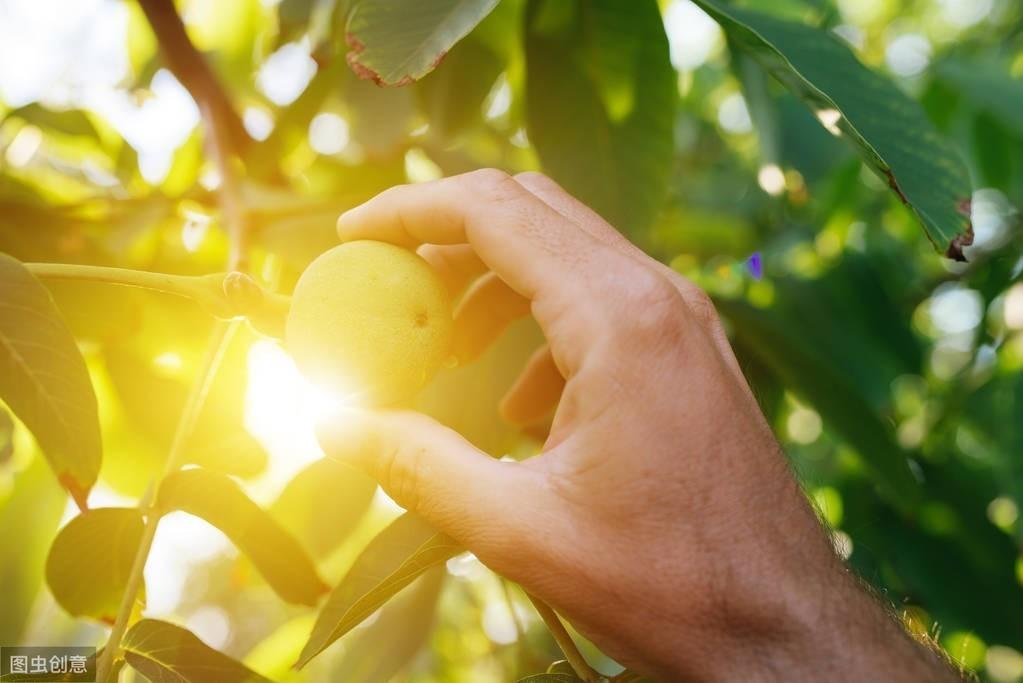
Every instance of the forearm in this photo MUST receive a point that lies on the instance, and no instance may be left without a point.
(826, 627)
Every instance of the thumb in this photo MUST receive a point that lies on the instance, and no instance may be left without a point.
(433, 471)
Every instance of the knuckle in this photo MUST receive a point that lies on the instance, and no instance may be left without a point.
(702, 307)
(400, 473)
(535, 178)
(492, 184)
(651, 305)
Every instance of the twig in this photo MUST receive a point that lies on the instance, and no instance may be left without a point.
(220, 339)
(180, 285)
(575, 658)
(229, 196)
(189, 66)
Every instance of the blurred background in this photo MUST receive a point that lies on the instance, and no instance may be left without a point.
(861, 342)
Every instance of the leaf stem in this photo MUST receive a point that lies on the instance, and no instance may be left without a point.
(575, 658)
(180, 285)
(220, 339)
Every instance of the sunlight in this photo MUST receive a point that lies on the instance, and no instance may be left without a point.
(281, 411)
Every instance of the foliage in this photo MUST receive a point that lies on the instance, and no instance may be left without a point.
(860, 152)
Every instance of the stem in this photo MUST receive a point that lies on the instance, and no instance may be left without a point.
(220, 338)
(229, 195)
(192, 69)
(180, 285)
(575, 658)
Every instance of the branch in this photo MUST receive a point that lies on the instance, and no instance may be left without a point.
(190, 67)
(197, 287)
(223, 295)
(219, 341)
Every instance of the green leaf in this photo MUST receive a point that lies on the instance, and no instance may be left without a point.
(238, 454)
(550, 678)
(452, 98)
(806, 369)
(73, 122)
(391, 561)
(397, 42)
(382, 650)
(163, 652)
(987, 85)
(888, 127)
(274, 552)
(844, 368)
(323, 503)
(274, 656)
(44, 380)
(600, 101)
(90, 561)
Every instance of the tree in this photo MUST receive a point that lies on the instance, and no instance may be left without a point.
(843, 183)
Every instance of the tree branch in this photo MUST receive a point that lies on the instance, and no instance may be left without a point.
(190, 67)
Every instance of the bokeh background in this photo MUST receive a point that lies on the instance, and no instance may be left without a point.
(859, 339)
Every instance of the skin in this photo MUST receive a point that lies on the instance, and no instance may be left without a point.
(661, 517)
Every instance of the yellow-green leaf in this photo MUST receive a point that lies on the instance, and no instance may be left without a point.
(163, 652)
(90, 560)
(44, 380)
(275, 553)
(391, 561)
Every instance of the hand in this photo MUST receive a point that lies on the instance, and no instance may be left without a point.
(661, 518)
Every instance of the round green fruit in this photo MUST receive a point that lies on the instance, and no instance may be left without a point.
(372, 320)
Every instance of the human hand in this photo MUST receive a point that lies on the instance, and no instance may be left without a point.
(661, 517)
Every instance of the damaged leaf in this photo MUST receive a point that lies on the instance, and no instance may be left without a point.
(890, 129)
(397, 42)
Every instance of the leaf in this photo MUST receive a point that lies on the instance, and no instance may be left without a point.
(888, 127)
(600, 100)
(397, 42)
(550, 678)
(274, 655)
(382, 650)
(806, 369)
(73, 122)
(323, 503)
(44, 380)
(90, 561)
(391, 561)
(238, 454)
(163, 652)
(452, 98)
(986, 85)
(277, 556)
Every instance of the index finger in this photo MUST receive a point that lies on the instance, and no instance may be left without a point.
(560, 268)
(522, 239)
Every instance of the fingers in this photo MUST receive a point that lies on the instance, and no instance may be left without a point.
(564, 271)
(457, 265)
(555, 196)
(487, 309)
(701, 307)
(536, 392)
(431, 470)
